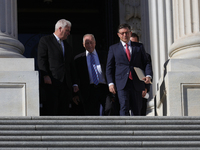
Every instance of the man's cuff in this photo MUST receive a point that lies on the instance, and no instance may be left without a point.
(149, 76)
(111, 84)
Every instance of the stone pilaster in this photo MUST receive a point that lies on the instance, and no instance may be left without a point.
(179, 89)
(19, 83)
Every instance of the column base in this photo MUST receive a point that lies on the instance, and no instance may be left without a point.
(19, 87)
(179, 89)
(186, 47)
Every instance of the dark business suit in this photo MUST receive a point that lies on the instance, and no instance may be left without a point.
(117, 72)
(91, 95)
(59, 68)
(147, 86)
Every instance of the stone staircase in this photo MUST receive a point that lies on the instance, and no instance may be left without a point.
(99, 133)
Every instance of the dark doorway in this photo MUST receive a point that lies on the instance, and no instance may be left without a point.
(37, 18)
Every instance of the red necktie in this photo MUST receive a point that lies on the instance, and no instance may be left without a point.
(129, 58)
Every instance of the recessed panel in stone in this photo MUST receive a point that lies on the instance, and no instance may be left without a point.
(191, 99)
(12, 99)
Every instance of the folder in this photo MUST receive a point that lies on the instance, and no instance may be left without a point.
(140, 73)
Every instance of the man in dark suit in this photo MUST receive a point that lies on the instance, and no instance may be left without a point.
(90, 66)
(145, 95)
(56, 66)
(121, 76)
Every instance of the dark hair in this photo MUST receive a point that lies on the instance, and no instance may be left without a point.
(124, 25)
(135, 35)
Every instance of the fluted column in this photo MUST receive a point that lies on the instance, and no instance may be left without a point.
(161, 35)
(186, 18)
(10, 47)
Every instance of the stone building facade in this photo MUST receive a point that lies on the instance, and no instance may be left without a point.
(170, 32)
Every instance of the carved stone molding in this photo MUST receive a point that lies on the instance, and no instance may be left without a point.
(130, 12)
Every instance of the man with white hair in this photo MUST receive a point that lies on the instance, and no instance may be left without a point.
(90, 66)
(55, 64)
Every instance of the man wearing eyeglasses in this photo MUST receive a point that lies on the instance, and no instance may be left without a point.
(121, 77)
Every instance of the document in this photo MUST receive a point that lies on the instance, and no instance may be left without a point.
(140, 73)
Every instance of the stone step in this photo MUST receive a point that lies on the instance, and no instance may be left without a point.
(99, 138)
(104, 144)
(193, 118)
(100, 127)
(99, 122)
(110, 148)
(101, 133)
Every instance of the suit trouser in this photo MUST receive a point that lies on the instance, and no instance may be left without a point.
(144, 107)
(57, 100)
(130, 99)
(112, 105)
(97, 96)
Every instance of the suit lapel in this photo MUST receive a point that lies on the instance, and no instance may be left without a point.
(122, 51)
(54, 40)
(134, 49)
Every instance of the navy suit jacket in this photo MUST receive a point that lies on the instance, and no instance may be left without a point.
(118, 65)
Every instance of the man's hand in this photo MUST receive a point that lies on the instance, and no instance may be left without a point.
(144, 93)
(112, 89)
(76, 100)
(47, 80)
(75, 88)
(147, 80)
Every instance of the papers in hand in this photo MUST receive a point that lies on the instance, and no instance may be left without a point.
(140, 73)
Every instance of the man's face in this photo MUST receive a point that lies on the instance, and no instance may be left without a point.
(124, 34)
(134, 39)
(64, 32)
(89, 43)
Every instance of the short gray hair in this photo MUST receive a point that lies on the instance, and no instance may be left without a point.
(62, 23)
(89, 35)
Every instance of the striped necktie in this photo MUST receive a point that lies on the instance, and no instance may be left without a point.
(94, 70)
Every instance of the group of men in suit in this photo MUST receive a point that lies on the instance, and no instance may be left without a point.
(93, 77)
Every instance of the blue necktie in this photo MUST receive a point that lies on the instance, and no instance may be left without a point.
(94, 70)
(59, 41)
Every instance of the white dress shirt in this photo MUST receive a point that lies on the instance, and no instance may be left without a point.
(129, 46)
(60, 42)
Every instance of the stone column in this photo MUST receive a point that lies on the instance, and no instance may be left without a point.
(19, 89)
(186, 29)
(180, 89)
(161, 37)
(10, 47)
